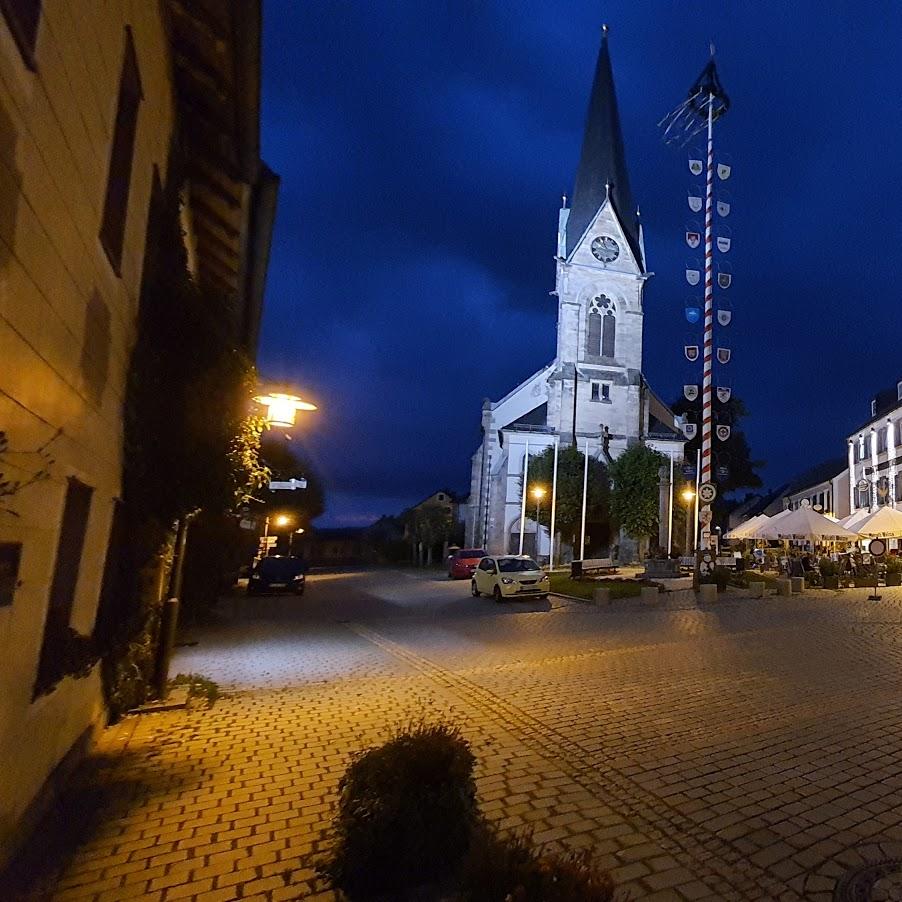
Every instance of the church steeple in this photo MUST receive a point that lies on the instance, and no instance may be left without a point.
(602, 168)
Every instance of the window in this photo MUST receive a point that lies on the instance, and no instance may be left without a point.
(23, 17)
(899, 391)
(65, 570)
(867, 445)
(601, 327)
(874, 407)
(115, 205)
(857, 447)
(881, 439)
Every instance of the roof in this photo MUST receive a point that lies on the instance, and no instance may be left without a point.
(231, 193)
(885, 401)
(823, 472)
(602, 162)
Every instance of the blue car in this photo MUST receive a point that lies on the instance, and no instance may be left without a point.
(276, 575)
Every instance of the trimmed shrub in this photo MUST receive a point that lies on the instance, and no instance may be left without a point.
(406, 812)
(500, 868)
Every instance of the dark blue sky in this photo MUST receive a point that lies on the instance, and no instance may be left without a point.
(424, 146)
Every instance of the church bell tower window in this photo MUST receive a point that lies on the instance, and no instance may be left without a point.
(602, 327)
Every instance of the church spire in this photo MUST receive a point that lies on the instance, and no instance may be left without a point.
(602, 164)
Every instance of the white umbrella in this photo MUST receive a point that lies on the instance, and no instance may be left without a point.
(763, 529)
(744, 530)
(806, 523)
(885, 522)
(855, 517)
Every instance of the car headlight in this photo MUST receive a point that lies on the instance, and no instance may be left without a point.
(507, 580)
(544, 578)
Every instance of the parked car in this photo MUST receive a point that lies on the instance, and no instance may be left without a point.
(277, 574)
(509, 576)
(462, 562)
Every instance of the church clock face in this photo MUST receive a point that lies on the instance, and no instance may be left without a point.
(605, 249)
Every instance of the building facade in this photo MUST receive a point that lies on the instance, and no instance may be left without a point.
(93, 98)
(593, 394)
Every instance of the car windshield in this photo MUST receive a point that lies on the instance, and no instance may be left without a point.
(517, 564)
(471, 552)
(280, 567)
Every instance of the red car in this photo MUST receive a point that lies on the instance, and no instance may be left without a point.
(463, 562)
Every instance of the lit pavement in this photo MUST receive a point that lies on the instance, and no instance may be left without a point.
(747, 750)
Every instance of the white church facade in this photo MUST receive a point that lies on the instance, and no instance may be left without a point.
(593, 393)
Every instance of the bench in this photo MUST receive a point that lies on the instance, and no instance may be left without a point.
(669, 569)
(578, 569)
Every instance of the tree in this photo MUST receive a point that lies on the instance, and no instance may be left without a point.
(569, 502)
(635, 494)
(734, 452)
(430, 524)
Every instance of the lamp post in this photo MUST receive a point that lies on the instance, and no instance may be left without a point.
(688, 496)
(538, 493)
(291, 535)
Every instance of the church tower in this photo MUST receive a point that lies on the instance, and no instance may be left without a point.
(597, 381)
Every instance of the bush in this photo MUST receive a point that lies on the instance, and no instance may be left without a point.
(406, 812)
(828, 567)
(498, 869)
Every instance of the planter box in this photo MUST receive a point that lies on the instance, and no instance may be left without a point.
(784, 587)
(650, 593)
(863, 582)
(894, 579)
(798, 585)
(707, 592)
(601, 596)
(831, 582)
(756, 589)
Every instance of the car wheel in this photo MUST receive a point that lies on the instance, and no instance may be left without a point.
(473, 590)
(496, 594)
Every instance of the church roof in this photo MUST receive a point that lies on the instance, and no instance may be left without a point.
(602, 162)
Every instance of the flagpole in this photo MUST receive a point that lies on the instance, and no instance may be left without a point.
(708, 354)
(670, 510)
(523, 499)
(553, 507)
(698, 463)
(582, 547)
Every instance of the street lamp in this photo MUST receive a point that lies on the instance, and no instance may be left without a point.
(278, 520)
(688, 496)
(538, 493)
(282, 407)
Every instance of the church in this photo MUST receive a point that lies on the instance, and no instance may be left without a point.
(593, 393)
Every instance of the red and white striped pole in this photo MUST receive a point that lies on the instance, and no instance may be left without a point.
(708, 357)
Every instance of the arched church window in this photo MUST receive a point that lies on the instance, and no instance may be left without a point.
(602, 327)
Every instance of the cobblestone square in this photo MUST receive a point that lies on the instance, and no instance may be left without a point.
(749, 749)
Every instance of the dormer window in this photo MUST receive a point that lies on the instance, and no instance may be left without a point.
(899, 391)
(874, 407)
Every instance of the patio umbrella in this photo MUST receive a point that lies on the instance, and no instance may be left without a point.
(762, 530)
(806, 523)
(855, 517)
(744, 530)
(885, 522)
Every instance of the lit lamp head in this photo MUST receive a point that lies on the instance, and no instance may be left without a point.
(282, 408)
(282, 520)
(538, 493)
(687, 495)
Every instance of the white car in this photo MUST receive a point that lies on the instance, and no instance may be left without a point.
(509, 576)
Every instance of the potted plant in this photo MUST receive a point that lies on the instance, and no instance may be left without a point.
(893, 571)
(829, 573)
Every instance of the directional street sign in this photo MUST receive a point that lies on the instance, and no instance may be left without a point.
(288, 485)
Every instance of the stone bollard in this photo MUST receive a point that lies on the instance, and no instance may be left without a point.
(756, 589)
(784, 587)
(601, 596)
(650, 593)
(707, 592)
(798, 584)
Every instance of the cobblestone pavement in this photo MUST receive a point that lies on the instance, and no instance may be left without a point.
(751, 749)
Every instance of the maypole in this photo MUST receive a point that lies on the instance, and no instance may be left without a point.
(705, 104)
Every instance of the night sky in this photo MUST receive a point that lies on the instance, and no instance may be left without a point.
(424, 148)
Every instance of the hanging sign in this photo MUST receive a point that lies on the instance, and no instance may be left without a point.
(723, 394)
(723, 171)
(724, 279)
(722, 472)
(695, 203)
(724, 317)
(723, 355)
(707, 492)
(723, 208)
(691, 392)
(691, 352)
(723, 432)
(689, 430)
(723, 243)
(705, 516)
(693, 314)
(693, 239)
(696, 167)
(688, 471)
(693, 276)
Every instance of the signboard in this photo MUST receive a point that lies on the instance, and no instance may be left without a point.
(288, 485)
(877, 547)
(707, 492)
(248, 524)
(863, 485)
(705, 515)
